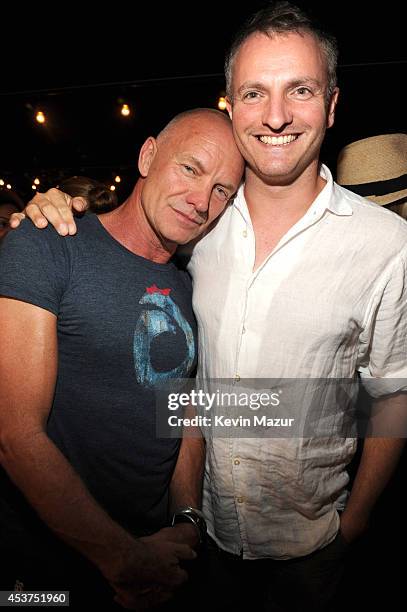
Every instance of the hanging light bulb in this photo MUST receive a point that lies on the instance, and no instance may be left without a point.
(112, 187)
(125, 110)
(222, 103)
(1, 183)
(40, 117)
(8, 186)
(34, 187)
(36, 181)
(117, 179)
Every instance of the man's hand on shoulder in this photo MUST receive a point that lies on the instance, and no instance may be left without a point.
(53, 207)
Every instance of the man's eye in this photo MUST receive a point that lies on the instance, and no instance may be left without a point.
(222, 193)
(303, 92)
(189, 169)
(251, 95)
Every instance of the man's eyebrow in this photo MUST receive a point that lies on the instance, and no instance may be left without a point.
(305, 80)
(228, 187)
(251, 85)
(195, 161)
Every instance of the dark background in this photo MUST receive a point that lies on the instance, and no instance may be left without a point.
(163, 59)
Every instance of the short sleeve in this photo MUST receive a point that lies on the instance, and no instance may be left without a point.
(34, 266)
(386, 369)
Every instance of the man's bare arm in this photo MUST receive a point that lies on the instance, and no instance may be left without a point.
(28, 368)
(186, 482)
(378, 461)
(54, 207)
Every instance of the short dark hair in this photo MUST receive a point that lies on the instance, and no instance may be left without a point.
(99, 197)
(283, 18)
(7, 196)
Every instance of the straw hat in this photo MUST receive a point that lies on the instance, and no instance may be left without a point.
(376, 168)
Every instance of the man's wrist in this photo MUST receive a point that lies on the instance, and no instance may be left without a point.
(192, 516)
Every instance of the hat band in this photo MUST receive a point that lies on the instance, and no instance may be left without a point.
(379, 188)
(396, 202)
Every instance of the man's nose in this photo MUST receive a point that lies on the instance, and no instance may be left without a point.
(277, 112)
(200, 198)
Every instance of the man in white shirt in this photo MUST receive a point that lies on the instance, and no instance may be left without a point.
(311, 284)
(300, 279)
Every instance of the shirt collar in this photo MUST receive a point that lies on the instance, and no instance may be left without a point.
(329, 198)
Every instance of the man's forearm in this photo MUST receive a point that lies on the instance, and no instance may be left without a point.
(378, 461)
(186, 482)
(379, 458)
(62, 501)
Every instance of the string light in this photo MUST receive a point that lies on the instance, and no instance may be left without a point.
(40, 117)
(222, 103)
(125, 110)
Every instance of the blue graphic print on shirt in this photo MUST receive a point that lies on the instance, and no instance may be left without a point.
(161, 316)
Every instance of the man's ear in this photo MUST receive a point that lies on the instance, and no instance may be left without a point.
(331, 108)
(147, 153)
(229, 106)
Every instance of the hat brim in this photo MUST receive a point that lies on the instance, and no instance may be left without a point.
(389, 198)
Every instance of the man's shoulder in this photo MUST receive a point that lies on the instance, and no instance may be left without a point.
(375, 220)
(29, 241)
(28, 232)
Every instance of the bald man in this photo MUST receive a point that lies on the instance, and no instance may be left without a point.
(77, 435)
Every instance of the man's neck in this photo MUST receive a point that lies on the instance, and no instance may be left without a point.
(129, 226)
(281, 204)
(275, 209)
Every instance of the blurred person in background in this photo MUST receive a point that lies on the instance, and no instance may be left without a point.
(100, 197)
(10, 203)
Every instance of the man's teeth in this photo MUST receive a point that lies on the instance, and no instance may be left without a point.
(277, 140)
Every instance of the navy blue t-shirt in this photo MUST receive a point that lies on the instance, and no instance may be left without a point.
(125, 324)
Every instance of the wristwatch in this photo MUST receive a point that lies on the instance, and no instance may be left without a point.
(187, 514)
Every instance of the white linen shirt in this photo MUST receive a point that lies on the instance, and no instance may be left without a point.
(330, 300)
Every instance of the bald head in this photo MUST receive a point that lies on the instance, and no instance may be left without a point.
(196, 116)
(189, 173)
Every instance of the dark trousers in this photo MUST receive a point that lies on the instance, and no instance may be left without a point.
(64, 572)
(305, 584)
(219, 581)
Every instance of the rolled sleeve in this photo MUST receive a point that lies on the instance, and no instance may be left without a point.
(386, 370)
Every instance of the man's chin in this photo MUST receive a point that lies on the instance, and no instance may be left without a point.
(181, 238)
(276, 175)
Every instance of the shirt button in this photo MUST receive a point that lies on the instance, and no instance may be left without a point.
(244, 233)
(237, 378)
(236, 462)
(243, 330)
(240, 500)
